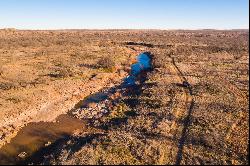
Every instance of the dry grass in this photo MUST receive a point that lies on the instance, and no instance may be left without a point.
(167, 123)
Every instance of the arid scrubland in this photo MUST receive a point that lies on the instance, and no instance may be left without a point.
(193, 108)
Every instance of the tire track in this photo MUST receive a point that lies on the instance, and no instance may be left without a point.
(240, 99)
(189, 101)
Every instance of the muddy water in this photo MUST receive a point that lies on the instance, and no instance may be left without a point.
(35, 136)
(94, 98)
(38, 135)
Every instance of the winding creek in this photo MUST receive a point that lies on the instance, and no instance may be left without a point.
(35, 136)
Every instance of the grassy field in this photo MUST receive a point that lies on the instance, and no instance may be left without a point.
(204, 120)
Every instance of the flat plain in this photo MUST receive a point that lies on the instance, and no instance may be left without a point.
(193, 108)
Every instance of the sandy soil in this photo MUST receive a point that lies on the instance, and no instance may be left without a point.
(201, 121)
(44, 74)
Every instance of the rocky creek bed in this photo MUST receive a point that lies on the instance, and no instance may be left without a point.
(35, 136)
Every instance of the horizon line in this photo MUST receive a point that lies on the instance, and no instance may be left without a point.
(149, 29)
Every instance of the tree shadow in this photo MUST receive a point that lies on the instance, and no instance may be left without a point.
(90, 66)
(186, 122)
(139, 44)
(43, 155)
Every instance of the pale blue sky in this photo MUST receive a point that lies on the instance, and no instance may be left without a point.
(131, 14)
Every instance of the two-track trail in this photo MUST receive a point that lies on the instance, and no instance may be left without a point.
(183, 109)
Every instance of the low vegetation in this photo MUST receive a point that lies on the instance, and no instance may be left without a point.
(193, 108)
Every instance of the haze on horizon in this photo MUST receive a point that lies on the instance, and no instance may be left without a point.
(124, 14)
